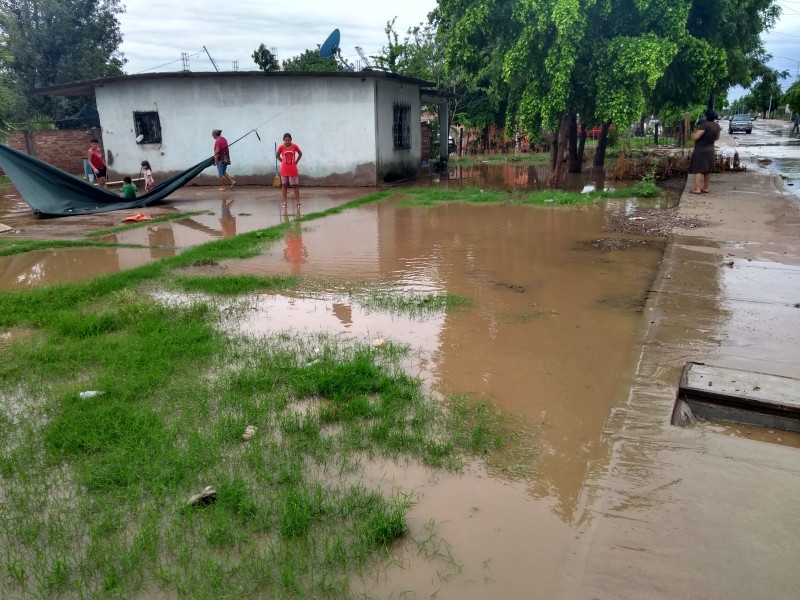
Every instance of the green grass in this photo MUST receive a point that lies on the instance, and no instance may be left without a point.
(127, 226)
(10, 247)
(429, 197)
(96, 488)
(493, 159)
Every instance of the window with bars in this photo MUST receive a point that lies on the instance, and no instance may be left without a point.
(401, 126)
(147, 125)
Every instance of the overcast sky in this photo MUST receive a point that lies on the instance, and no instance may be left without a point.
(155, 34)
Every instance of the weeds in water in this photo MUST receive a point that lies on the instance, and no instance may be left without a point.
(237, 284)
(11, 247)
(95, 488)
(554, 197)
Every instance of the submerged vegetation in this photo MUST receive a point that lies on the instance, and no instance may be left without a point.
(95, 486)
(645, 188)
(117, 406)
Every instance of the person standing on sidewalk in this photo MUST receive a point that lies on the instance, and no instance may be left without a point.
(704, 155)
(222, 158)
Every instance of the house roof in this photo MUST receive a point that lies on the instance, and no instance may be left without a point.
(87, 87)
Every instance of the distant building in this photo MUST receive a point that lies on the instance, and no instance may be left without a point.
(354, 128)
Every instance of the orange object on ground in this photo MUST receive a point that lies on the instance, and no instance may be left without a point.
(136, 218)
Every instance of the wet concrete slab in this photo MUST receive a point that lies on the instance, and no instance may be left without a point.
(706, 512)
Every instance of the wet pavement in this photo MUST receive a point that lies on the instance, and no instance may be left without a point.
(707, 512)
(586, 340)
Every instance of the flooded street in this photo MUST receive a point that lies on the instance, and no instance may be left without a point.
(560, 311)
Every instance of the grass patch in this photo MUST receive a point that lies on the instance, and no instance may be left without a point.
(494, 159)
(429, 197)
(127, 226)
(95, 489)
(409, 303)
(13, 246)
(237, 284)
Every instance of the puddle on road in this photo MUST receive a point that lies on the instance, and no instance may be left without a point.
(549, 335)
(63, 265)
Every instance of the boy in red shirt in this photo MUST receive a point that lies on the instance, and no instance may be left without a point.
(96, 162)
(289, 154)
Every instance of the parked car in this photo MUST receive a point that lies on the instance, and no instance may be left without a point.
(740, 123)
(451, 145)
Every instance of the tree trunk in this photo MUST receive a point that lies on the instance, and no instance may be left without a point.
(600, 157)
(561, 153)
(581, 145)
(574, 161)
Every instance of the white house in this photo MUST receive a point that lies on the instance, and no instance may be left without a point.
(354, 128)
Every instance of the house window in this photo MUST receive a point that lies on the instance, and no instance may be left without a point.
(147, 125)
(401, 126)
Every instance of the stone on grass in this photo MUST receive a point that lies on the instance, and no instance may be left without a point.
(207, 496)
(249, 432)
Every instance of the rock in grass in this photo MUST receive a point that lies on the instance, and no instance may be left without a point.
(378, 343)
(207, 496)
(249, 432)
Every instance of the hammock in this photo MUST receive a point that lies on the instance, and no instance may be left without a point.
(52, 192)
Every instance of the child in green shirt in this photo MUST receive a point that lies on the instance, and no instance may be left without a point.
(128, 190)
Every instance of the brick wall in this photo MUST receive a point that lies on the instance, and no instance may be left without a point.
(62, 148)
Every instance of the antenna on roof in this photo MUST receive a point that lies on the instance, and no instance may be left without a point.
(330, 49)
(211, 59)
(364, 59)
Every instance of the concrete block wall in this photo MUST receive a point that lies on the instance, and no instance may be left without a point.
(62, 148)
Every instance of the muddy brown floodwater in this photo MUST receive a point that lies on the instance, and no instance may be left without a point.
(557, 302)
(550, 336)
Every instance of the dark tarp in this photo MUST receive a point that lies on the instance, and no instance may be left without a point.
(52, 192)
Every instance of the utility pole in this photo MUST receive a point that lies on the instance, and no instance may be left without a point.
(211, 59)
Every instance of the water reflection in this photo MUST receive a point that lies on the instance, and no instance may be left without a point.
(551, 330)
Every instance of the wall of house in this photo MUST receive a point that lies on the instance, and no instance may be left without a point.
(394, 165)
(330, 119)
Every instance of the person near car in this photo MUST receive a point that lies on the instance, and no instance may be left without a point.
(704, 155)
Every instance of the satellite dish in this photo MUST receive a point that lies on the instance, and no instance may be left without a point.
(330, 47)
(139, 138)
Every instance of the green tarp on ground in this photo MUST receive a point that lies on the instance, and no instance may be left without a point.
(52, 192)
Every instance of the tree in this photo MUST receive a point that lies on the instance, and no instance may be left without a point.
(59, 41)
(603, 59)
(765, 94)
(6, 95)
(311, 62)
(792, 97)
(265, 59)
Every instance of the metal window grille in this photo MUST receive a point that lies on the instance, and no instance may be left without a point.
(148, 125)
(401, 126)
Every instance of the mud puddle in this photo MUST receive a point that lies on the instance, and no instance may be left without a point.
(550, 336)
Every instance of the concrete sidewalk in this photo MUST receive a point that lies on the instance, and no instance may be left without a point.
(707, 512)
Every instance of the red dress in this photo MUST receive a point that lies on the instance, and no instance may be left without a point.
(288, 160)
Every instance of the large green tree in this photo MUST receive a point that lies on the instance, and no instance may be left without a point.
(58, 41)
(792, 97)
(603, 59)
(311, 62)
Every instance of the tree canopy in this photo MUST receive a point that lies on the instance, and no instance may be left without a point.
(311, 62)
(57, 41)
(265, 59)
(604, 58)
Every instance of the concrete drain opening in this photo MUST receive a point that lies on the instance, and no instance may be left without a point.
(712, 393)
